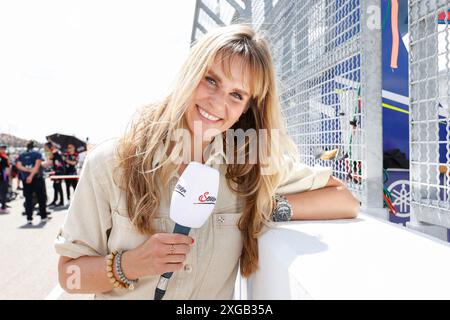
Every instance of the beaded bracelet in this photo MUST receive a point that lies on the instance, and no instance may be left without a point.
(109, 271)
(118, 267)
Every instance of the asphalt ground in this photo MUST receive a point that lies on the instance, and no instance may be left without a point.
(28, 261)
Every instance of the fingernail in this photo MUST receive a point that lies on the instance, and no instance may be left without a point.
(192, 241)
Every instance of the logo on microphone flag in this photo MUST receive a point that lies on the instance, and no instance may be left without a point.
(205, 198)
(180, 189)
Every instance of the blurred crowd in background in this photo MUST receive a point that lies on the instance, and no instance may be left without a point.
(28, 169)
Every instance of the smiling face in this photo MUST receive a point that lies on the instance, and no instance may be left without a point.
(221, 96)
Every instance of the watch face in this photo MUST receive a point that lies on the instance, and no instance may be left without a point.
(282, 212)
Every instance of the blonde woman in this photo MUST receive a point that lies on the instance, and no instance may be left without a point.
(117, 238)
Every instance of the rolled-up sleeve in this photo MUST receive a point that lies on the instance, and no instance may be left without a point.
(298, 177)
(84, 232)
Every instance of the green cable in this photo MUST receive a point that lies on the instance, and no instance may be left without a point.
(351, 135)
(385, 190)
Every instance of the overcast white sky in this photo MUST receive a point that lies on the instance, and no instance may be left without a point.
(83, 66)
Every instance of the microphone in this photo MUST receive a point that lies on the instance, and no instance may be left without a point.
(193, 201)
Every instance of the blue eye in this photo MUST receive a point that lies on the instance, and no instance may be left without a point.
(210, 81)
(237, 96)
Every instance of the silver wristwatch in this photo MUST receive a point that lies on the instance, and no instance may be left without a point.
(282, 210)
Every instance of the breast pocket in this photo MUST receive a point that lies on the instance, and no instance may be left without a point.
(227, 249)
(124, 235)
(227, 237)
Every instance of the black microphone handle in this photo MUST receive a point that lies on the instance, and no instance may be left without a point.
(159, 292)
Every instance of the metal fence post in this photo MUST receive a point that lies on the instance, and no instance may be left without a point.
(371, 102)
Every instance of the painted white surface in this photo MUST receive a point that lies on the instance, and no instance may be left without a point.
(363, 258)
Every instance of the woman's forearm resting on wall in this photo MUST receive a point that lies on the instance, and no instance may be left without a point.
(334, 201)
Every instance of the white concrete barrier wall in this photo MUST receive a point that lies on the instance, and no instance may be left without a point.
(363, 258)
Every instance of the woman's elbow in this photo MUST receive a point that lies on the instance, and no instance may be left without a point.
(350, 205)
(354, 209)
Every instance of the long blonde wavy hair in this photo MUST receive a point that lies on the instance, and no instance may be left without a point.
(156, 123)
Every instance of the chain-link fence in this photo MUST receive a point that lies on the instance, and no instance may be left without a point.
(317, 51)
(327, 57)
(429, 111)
